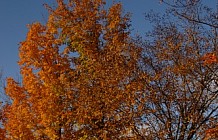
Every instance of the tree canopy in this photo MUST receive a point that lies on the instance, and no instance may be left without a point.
(84, 76)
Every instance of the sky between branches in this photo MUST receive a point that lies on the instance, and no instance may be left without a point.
(15, 15)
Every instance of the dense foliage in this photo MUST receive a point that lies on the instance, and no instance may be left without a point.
(85, 77)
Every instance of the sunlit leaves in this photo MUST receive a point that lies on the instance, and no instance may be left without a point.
(63, 96)
(209, 58)
(85, 77)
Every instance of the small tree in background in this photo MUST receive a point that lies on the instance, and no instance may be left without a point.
(180, 60)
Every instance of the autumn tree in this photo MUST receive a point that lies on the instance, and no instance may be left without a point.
(79, 76)
(85, 77)
(180, 59)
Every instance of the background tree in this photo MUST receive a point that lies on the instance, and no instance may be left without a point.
(180, 60)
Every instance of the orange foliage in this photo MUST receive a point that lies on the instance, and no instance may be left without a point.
(76, 79)
(83, 77)
(211, 133)
(209, 58)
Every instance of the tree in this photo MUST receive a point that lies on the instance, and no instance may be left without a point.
(85, 77)
(180, 60)
(79, 76)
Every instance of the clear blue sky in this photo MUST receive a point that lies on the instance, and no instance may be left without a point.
(16, 14)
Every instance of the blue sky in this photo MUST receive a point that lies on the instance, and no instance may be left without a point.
(16, 14)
